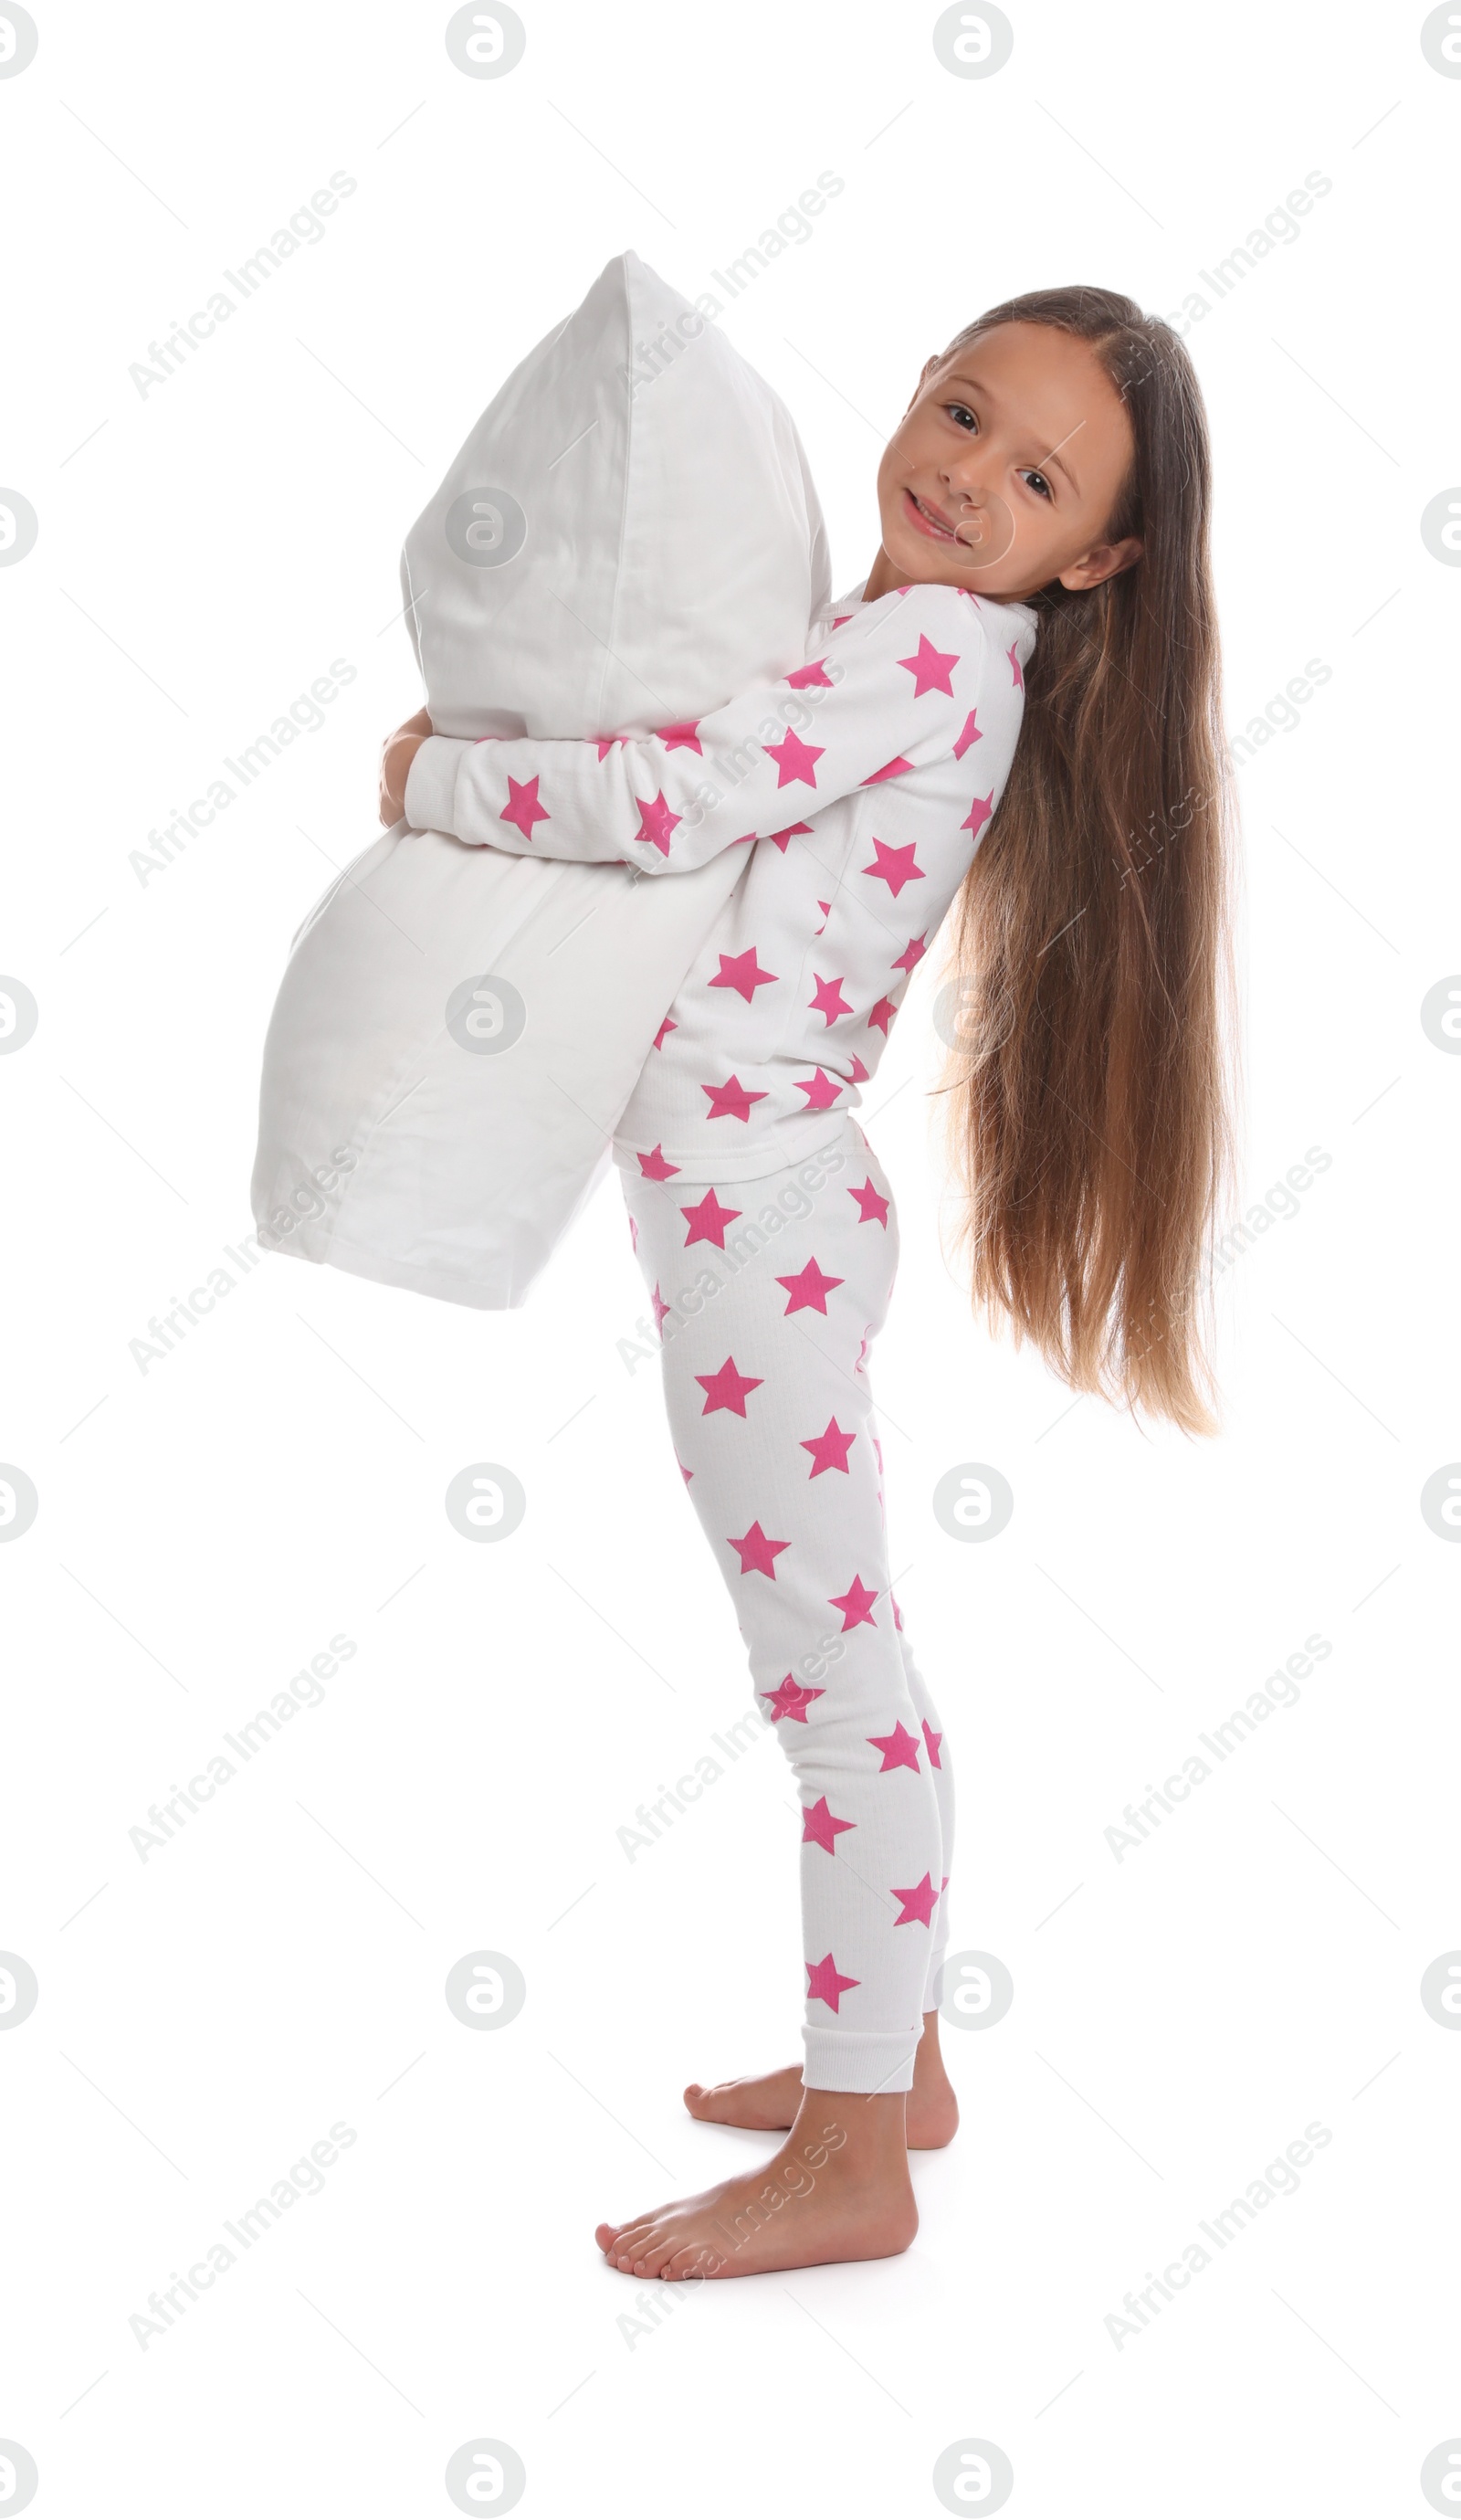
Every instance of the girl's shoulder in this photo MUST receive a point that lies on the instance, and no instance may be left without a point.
(936, 607)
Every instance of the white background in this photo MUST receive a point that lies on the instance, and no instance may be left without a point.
(206, 1527)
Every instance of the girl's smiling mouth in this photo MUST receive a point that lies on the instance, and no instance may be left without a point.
(927, 520)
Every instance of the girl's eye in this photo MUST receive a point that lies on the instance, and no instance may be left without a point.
(1038, 484)
(961, 415)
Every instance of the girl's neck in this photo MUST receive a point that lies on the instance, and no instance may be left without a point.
(885, 578)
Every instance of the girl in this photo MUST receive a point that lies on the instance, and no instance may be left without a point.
(1044, 509)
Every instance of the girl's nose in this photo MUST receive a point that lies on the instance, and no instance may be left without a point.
(966, 477)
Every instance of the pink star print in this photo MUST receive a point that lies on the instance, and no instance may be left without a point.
(522, 806)
(653, 1166)
(855, 1605)
(758, 1554)
(979, 814)
(807, 675)
(893, 866)
(931, 1741)
(872, 1208)
(972, 733)
(606, 743)
(726, 1388)
(656, 822)
(897, 1613)
(825, 908)
(827, 999)
(930, 670)
(795, 760)
(821, 1827)
(882, 1016)
(918, 1903)
(819, 1091)
(731, 1101)
(828, 1450)
(809, 1290)
(682, 738)
(634, 1234)
(742, 973)
(790, 1698)
(889, 770)
(899, 1749)
(660, 1306)
(685, 1474)
(912, 953)
(859, 1074)
(780, 838)
(1013, 653)
(708, 1221)
(824, 1981)
(665, 1027)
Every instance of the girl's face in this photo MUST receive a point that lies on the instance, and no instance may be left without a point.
(1020, 441)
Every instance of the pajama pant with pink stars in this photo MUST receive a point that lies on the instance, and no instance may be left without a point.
(768, 1294)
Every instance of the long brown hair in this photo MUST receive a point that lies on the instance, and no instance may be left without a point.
(1088, 1092)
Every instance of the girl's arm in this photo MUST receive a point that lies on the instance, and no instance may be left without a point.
(395, 762)
(891, 689)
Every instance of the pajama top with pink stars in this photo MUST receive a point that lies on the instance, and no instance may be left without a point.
(859, 785)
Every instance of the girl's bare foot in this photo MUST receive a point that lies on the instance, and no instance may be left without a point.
(838, 2188)
(770, 2101)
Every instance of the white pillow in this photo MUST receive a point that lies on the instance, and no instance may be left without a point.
(458, 1029)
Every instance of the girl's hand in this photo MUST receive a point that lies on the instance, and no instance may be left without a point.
(397, 755)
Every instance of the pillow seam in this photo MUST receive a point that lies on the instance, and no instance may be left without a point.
(628, 453)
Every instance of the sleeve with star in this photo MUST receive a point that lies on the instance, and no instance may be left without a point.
(889, 689)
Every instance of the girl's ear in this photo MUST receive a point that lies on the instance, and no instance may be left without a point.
(1102, 561)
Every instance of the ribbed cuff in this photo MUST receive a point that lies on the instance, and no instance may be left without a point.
(431, 783)
(870, 2061)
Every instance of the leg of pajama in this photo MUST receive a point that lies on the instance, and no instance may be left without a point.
(768, 1294)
